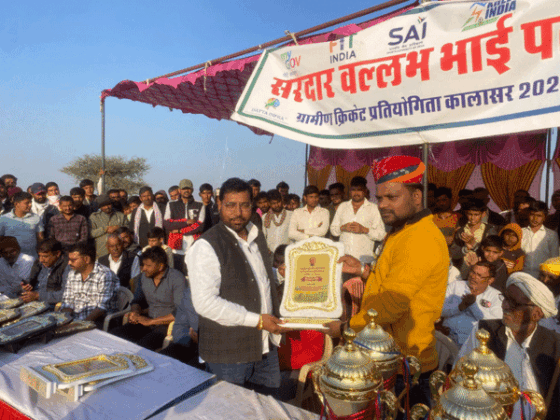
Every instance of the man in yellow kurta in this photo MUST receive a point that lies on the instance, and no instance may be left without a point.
(407, 285)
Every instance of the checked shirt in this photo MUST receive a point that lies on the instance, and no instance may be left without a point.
(99, 290)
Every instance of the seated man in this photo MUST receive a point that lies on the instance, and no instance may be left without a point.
(48, 275)
(518, 338)
(160, 289)
(185, 333)
(91, 288)
(128, 240)
(156, 237)
(121, 262)
(467, 302)
(15, 266)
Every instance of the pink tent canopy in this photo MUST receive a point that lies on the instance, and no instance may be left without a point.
(215, 90)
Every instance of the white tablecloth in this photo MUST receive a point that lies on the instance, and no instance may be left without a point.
(227, 401)
(133, 398)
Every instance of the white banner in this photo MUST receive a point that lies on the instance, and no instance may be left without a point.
(440, 72)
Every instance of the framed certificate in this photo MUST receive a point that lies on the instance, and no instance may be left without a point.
(312, 291)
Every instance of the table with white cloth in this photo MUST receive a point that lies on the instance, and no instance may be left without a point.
(228, 401)
(134, 398)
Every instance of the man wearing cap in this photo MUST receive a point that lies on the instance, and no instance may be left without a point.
(184, 221)
(549, 274)
(40, 205)
(103, 222)
(530, 350)
(407, 285)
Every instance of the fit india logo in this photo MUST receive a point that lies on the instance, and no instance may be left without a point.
(486, 13)
(272, 102)
(289, 61)
(342, 49)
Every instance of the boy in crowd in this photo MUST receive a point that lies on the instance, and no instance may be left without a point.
(538, 242)
(156, 237)
(262, 203)
(514, 256)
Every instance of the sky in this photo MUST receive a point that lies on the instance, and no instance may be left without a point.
(57, 57)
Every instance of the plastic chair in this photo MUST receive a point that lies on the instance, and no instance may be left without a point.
(305, 394)
(355, 288)
(447, 351)
(124, 298)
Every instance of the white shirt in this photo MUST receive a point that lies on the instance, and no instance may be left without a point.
(487, 306)
(539, 247)
(115, 265)
(277, 235)
(205, 280)
(12, 276)
(516, 358)
(148, 211)
(359, 245)
(315, 223)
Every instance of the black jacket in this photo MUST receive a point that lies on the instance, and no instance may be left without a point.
(544, 353)
(55, 279)
(124, 271)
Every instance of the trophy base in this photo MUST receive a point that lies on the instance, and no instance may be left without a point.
(307, 323)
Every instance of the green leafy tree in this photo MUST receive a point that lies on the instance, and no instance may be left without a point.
(120, 172)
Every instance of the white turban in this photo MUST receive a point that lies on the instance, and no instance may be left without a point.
(536, 291)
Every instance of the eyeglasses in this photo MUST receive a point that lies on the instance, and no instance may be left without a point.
(512, 303)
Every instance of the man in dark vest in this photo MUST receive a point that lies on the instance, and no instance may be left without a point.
(529, 349)
(123, 263)
(147, 216)
(184, 218)
(230, 275)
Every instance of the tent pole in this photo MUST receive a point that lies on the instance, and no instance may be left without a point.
(306, 160)
(102, 146)
(425, 148)
(548, 166)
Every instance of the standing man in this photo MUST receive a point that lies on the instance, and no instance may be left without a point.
(23, 225)
(184, 218)
(5, 204)
(40, 205)
(407, 286)
(212, 216)
(230, 275)
(87, 185)
(147, 216)
(174, 193)
(358, 223)
(68, 228)
(310, 220)
(276, 223)
(91, 289)
(336, 193)
(78, 196)
(104, 222)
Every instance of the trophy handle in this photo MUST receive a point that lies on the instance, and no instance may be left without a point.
(538, 402)
(415, 368)
(419, 412)
(315, 374)
(391, 404)
(437, 379)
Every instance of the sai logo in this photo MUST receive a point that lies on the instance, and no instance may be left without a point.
(290, 61)
(416, 32)
(272, 102)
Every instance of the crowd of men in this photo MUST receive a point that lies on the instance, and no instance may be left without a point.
(215, 265)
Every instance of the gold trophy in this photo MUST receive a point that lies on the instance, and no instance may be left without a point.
(465, 400)
(349, 383)
(495, 377)
(380, 347)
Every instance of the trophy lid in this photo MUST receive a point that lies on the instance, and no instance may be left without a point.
(468, 400)
(493, 374)
(376, 342)
(350, 370)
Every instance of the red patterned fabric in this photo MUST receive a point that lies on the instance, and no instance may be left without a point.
(214, 91)
(7, 412)
(301, 348)
(402, 169)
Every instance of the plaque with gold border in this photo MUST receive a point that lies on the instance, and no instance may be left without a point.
(313, 287)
